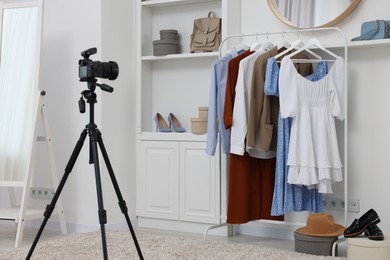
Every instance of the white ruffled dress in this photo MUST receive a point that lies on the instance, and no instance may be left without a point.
(313, 156)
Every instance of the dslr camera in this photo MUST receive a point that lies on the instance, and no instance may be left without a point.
(89, 70)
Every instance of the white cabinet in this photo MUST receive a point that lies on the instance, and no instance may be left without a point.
(176, 180)
(199, 184)
(159, 179)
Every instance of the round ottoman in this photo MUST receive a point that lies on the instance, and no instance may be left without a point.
(362, 248)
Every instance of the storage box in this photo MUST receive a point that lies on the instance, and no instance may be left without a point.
(314, 245)
(169, 35)
(164, 47)
(203, 112)
(198, 125)
(362, 248)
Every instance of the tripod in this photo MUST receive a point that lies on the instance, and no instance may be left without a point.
(95, 137)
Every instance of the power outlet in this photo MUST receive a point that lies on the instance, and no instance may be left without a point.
(353, 205)
(338, 204)
(41, 193)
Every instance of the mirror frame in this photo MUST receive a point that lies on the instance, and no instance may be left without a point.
(30, 140)
(275, 9)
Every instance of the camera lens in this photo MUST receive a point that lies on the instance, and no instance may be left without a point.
(114, 70)
(106, 70)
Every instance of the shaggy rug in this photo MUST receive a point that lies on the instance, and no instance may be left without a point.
(154, 246)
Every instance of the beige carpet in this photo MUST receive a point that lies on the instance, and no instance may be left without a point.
(120, 246)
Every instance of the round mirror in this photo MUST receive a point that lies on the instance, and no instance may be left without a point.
(312, 14)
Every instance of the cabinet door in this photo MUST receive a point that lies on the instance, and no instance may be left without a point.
(158, 173)
(199, 184)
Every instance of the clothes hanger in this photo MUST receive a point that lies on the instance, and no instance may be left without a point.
(283, 43)
(296, 45)
(256, 45)
(241, 46)
(267, 45)
(316, 43)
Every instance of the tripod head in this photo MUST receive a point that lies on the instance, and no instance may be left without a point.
(90, 70)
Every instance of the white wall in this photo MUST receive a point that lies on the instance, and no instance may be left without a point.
(369, 94)
(69, 28)
(118, 44)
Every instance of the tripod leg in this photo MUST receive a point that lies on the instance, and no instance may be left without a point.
(122, 202)
(50, 207)
(102, 211)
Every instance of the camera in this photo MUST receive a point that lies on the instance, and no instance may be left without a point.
(89, 70)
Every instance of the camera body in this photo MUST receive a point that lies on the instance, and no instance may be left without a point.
(89, 70)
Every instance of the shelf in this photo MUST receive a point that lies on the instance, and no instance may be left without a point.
(164, 3)
(353, 45)
(181, 56)
(157, 136)
(12, 184)
(368, 44)
(361, 44)
(13, 213)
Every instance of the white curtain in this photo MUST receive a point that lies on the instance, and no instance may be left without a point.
(17, 90)
(299, 12)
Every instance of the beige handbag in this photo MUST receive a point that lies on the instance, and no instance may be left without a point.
(206, 35)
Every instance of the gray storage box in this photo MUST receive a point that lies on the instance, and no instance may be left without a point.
(164, 47)
(314, 245)
(169, 35)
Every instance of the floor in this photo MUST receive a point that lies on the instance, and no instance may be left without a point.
(7, 238)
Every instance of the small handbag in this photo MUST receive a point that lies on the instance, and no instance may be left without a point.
(206, 35)
(373, 30)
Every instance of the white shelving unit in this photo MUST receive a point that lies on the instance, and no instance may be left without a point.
(361, 44)
(168, 191)
(213, 55)
(368, 44)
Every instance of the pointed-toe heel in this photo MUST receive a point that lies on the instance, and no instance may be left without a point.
(161, 124)
(175, 123)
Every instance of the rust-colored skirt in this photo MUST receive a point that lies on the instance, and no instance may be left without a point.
(251, 186)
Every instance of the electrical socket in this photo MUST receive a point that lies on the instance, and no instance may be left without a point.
(41, 193)
(338, 204)
(353, 205)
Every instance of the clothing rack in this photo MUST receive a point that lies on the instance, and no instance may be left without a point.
(345, 46)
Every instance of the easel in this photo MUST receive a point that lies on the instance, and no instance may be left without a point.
(21, 213)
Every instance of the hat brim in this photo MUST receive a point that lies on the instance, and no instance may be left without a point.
(338, 232)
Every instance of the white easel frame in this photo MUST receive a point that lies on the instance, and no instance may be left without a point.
(21, 213)
(345, 46)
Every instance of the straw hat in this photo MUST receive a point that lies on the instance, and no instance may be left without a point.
(321, 225)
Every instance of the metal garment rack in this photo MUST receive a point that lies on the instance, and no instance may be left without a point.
(345, 46)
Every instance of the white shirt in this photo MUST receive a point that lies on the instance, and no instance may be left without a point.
(241, 109)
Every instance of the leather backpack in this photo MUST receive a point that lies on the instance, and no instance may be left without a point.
(206, 35)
